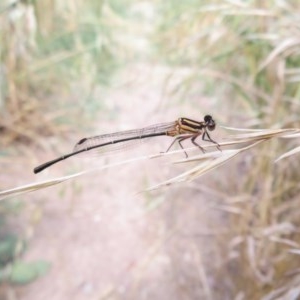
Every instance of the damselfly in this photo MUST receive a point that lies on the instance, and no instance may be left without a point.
(181, 129)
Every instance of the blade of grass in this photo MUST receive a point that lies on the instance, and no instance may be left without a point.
(288, 154)
(207, 162)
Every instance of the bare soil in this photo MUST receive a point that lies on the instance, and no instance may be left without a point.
(105, 237)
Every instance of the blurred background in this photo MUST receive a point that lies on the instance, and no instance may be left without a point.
(75, 68)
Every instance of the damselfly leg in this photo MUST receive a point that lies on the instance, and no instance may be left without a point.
(193, 138)
(209, 139)
(180, 139)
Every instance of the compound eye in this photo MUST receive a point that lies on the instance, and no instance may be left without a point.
(211, 127)
(207, 119)
(209, 122)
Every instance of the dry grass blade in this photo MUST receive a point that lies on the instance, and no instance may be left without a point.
(287, 154)
(44, 184)
(283, 241)
(286, 44)
(267, 134)
(207, 162)
(212, 160)
(263, 134)
(241, 129)
(295, 251)
(275, 294)
(251, 252)
(279, 228)
(35, 186)
(249, 12)
(292, 136)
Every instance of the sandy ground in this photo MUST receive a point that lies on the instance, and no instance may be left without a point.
(105, 237)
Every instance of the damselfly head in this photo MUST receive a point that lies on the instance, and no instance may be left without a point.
(209, 122)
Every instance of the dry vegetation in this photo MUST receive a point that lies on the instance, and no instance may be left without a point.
(245, 54)
(248, 56)
(42, 64)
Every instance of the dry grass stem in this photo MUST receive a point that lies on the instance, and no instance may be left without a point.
(205, 162)
(289, 153)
